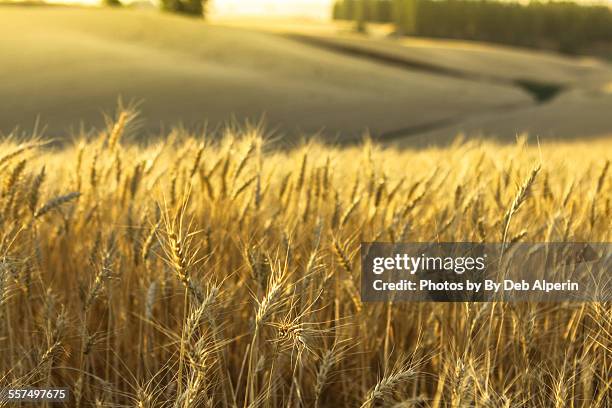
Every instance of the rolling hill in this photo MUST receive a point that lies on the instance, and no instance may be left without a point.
(62, 63)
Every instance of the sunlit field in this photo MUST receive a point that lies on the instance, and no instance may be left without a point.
(192, 272)
(186, 186)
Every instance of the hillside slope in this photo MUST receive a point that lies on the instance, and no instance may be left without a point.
(62, 63)
(579, 107)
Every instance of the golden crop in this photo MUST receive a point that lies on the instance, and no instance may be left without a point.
(193, 273)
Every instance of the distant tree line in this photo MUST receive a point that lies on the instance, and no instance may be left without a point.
(566, 26)
(194, 8)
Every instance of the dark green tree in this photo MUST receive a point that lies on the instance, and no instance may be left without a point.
(112, 3)
(360, 16)
(405, 16)
(194, 8)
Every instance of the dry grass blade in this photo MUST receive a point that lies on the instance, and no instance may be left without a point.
(56, 203)
(402, 372)
(521, 195)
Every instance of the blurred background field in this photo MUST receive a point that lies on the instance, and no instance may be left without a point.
(300, 72)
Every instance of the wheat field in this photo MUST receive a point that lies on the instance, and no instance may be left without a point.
(196, 272)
